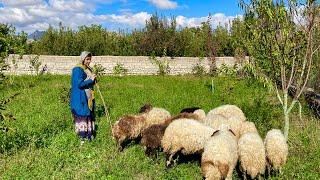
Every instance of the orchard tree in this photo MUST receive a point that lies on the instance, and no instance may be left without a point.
(280, 40)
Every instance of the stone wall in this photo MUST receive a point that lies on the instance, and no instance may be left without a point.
(136, 65)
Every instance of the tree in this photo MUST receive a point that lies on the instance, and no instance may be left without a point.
(280, 39)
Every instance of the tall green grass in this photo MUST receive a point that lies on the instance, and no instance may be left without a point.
(44, 145)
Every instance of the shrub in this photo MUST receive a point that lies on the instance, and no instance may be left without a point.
(119, 70)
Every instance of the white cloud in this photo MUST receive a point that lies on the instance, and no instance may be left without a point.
(216, 19)
(29, 16)
(16, 3)
(164, 4)
(63, 5)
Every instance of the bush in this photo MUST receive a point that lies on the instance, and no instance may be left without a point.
(119, 70)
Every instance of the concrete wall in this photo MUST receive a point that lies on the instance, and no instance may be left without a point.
(136, 65)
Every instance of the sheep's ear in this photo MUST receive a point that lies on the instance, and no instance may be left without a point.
(214, 133)
(232, 132)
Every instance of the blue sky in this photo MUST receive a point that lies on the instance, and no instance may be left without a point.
(31, 15)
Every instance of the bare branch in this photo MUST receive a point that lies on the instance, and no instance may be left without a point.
(278, 95)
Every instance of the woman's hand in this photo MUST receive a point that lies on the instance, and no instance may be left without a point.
(93, 77)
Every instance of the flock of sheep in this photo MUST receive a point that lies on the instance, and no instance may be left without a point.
(223, 138)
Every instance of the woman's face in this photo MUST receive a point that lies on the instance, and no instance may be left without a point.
(87, 61)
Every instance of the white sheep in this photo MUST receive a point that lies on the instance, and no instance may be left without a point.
(200, 113)
(251, 154)
(155, 116)
(248, 126)
(276, 149)
(228, 111)
(220, 155)
(186, 135)
(216, 120)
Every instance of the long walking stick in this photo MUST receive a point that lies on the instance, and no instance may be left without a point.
(103, 102)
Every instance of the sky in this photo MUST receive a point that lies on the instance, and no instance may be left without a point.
(31, 15)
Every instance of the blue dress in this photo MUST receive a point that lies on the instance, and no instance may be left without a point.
(83, 116)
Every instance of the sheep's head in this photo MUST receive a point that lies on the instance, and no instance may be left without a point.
(145, 108)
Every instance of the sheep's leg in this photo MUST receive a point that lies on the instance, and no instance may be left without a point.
(120, 146)
(169, 160)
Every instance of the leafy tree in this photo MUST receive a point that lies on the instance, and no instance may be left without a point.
(282, 48)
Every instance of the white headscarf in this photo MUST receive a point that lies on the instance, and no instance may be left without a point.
(83, 55)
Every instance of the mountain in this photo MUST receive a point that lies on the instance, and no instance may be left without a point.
(36, 35)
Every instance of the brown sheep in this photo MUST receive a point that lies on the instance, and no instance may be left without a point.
(127, 128)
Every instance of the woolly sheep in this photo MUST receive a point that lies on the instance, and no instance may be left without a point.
(129, 127)
(155, 116)
(185, 135)
(152, 136)
(216, 120)
(276, 149)
(220, 155)
(201, 114)
(228, 111)
(189, 110)
(248, 126)
(251, 154)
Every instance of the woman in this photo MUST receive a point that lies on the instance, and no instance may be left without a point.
(82, 97)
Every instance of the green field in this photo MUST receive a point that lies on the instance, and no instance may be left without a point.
(42, 143)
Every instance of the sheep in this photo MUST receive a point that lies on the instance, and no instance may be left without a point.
(129, 127)
(155, 116)
(246, 127)
(251, 155)
(126, 128)
(276, 149)
(228, 111)
(201, 114)
(186, 135)
(216, 120)
(220, 154)
(152, 136)
(189, 110)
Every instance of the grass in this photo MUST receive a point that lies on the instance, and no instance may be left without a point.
(43, 144)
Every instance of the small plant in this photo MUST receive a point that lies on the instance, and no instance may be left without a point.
(119, 70)
(224, 70)
(163, 65)
(35, 64)
(98, 69)
(198, 69)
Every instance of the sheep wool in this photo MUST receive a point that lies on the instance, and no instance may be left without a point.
(216, 120)
(200, 113)
(220, 155)
(152, 136)
(186, 135)
(228, 111)
(155, 116)
(248, 126)
(252, 154)
(127, 127)
(276, 148)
